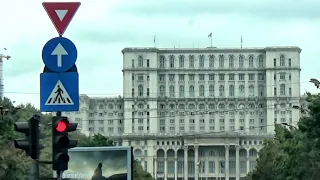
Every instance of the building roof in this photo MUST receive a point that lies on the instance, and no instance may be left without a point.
(210, 49)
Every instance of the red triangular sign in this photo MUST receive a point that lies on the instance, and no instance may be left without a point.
(61, 13)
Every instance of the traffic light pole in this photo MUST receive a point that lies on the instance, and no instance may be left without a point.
(59, 173)
(34, 172)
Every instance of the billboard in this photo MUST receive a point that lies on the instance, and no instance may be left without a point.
(99, 163)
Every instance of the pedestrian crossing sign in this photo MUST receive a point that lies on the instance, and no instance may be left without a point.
(59, 92)
(59, 96)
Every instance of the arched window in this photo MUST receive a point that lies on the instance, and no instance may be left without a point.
(211, 90)
(231, 90)
(221, 61)
(201, 61)
(181, 61)
(171, 58)
(231, 61)
(171, 94)
(241, 61)
(140, 90)
(191, 61)
(191, 91)
(251, 62)
(162, 90)
(282, 89)
(221, 90)
(181, 91)
(201, 90)
(162, 59)
(211, 61)
(251, 59)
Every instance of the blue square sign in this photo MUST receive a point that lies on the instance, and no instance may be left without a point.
(59, 92)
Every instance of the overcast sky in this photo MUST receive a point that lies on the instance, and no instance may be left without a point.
(101, 28)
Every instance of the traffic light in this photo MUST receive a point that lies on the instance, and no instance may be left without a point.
(30, 144)
(61, 142)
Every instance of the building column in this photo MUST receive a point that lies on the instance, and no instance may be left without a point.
(196, 162)
(185, 161)
(176, 166)
(248, 161)
(155, 165)
(237, 163)
(227, 162)
(165, 165)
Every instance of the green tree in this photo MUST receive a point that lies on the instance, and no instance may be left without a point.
(293, 154)
(15, 165)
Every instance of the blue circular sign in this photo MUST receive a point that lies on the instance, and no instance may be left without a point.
(59, 54)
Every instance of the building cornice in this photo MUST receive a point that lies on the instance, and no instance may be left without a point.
(211, 49)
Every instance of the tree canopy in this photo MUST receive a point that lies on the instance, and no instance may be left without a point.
(293, 154)
(15, 165)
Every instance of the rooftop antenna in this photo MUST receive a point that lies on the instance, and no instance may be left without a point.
(154, 40)
(210, 36)
(241, 41)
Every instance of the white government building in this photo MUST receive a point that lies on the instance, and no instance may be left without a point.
(198, 113)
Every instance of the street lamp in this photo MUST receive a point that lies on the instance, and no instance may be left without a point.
(315, 82)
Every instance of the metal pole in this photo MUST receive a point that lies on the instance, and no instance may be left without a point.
(34, 171)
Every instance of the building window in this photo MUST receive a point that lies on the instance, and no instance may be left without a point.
(211, 61)
(171, 94)
(221, 61)
(251, 90)
(231, 90)
(289, 62)
(221, 90)
(181, 61)
(282, 89)
(201, 61)
(181, 91)
(221, 77)
(132, 92)
(140, 90)
(290, 91)
(261, 90)
(201, 91)
(275, 62)
(191, 61)
(241, 61)
(282, 60)
(140, 61)
(133, 63)
(191, 91)
(171, 58)
(261, 61)
(162, 90)
(231, 61)
(241, 77)
(211, 90)
(241, 90)
(275, 91)
(250, 59)
(162, 59)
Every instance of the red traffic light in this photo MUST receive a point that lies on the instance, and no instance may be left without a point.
(62, 126)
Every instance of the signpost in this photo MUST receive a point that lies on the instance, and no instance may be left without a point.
(59, 82)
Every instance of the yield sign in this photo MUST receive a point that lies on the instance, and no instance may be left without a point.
(61, 13)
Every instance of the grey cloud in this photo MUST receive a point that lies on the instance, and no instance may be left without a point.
(267, 9)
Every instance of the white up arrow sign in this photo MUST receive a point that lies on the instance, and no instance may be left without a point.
(59, 51)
